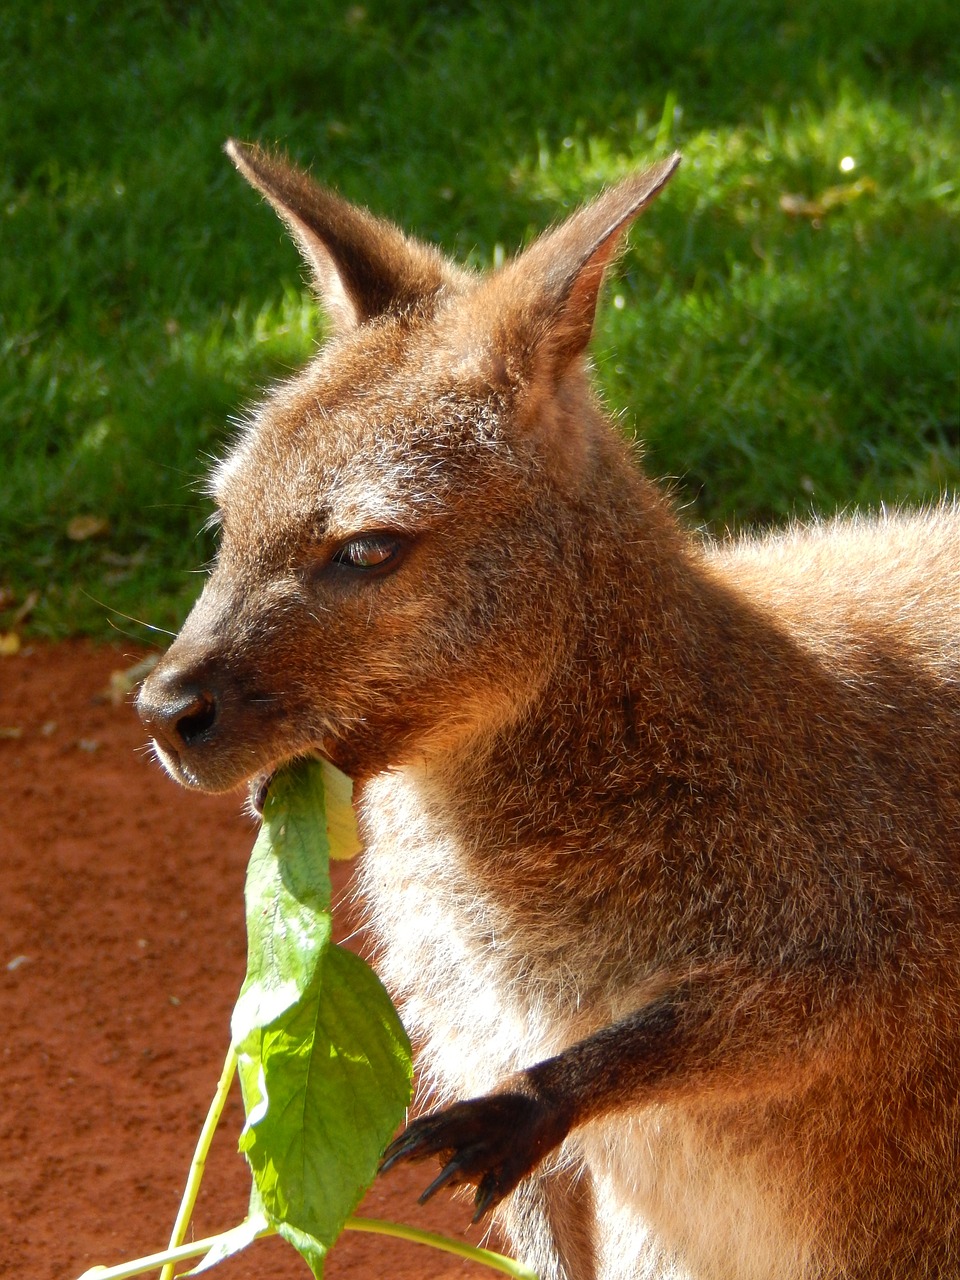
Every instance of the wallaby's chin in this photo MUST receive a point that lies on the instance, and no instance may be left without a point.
(188, 776)
(257, 784)
(216, 780)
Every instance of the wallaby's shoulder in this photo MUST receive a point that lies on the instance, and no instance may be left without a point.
(883, 544)
(892, 577)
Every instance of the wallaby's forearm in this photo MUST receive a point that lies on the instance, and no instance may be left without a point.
(678, 1044)
(496, 1140)
(619, 1064)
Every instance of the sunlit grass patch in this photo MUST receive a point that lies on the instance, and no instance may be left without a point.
(782, 332)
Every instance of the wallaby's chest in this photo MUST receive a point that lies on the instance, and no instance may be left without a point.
(466, 983)
(480, 1011)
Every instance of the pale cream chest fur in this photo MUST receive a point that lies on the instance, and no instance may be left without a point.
(475, 1017)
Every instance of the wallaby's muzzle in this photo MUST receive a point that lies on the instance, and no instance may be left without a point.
(205, 710)
(181, 707)
(226, 704)
(180, 715)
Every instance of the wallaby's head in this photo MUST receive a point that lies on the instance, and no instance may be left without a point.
(397, 520)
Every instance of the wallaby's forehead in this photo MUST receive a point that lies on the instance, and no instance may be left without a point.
(383, 437)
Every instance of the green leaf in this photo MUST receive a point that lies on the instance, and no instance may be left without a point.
(324, 1062)
(287, 899)
(341, 818)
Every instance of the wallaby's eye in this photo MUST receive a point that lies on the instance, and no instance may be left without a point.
(370, 553)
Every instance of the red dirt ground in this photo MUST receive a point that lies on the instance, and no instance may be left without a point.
(122, 949)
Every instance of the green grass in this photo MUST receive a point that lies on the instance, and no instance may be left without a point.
(773, 363)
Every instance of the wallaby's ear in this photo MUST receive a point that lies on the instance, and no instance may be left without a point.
(551, 289)
(362, 266)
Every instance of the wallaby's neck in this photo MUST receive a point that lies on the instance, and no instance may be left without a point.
(638, 642)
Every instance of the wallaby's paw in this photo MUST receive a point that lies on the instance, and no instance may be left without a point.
(492, 1142)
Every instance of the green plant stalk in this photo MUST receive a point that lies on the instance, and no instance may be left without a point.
(474, 1253)
(168, 1258)
(198, 1163)
(291, 830)
(165, 1258)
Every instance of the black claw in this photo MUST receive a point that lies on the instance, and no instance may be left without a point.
(417, 1142)
(446, 1174)
(397, 1149)
(485, 1198)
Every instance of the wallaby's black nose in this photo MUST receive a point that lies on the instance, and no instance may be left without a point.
(199, 716)
(189, 705)
(177, 717)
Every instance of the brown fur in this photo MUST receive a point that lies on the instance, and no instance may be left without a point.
(662, 837)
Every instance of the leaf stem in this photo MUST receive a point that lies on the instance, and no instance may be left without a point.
(168, 1258)
(165, 1258)
(199, 1161)
(474, 1253)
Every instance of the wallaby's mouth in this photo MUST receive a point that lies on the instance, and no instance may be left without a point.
(259, 786)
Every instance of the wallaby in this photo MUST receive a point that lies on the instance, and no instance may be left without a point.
(661, 835)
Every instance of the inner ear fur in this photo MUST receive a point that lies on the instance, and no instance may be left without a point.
(362, 266)
(549, 293)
